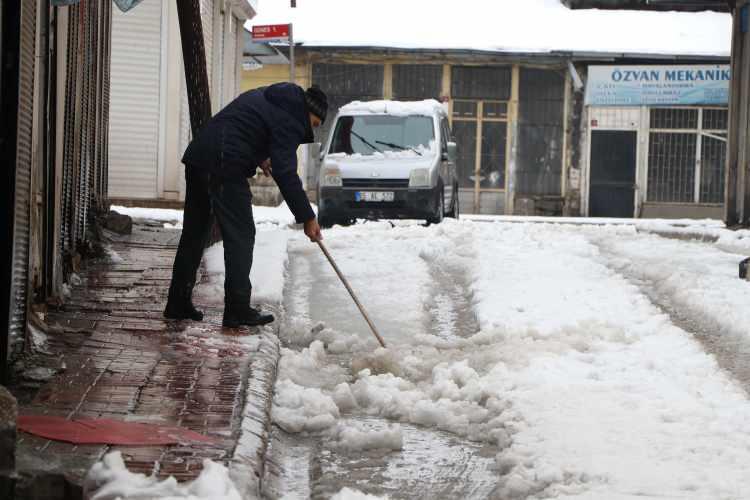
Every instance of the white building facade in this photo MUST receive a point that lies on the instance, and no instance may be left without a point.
(149, 119)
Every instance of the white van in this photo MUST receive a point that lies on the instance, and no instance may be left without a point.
(388, 159)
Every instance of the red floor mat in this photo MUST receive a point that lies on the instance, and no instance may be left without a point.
(106, 431)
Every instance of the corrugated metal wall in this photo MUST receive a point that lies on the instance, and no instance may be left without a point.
(135, 111)
(21, 224)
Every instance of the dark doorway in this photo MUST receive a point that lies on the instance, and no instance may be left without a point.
(613, 164)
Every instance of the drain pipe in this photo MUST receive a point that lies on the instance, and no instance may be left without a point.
(577, 82)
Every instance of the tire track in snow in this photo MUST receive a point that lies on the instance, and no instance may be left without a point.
(731, 349)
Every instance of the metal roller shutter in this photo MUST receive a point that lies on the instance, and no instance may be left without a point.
(104, 91)
(67, 240)
(134, 111)
(207, 16)
(21, 224)
(88, 103)
(230, 56)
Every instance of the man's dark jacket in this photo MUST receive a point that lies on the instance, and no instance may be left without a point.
(269, 122)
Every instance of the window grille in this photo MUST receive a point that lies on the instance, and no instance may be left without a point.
(674, 118)
(686, 160)
(713, 160)
(715, 119)
(671, 167)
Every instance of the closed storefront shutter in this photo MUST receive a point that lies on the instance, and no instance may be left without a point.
(231, 58)
(21, 224)
(134, 112)
(207, 16)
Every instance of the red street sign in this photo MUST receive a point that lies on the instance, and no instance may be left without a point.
(271, 33)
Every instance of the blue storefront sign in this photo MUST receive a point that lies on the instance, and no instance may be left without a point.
(658, 85)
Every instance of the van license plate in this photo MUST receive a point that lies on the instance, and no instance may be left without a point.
(373, 196)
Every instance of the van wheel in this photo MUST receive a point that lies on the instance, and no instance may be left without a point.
(440, 213)
(325, 222)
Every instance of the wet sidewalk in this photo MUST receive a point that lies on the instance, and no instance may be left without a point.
(117, 358)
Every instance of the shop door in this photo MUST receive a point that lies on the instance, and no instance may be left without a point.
(613, 164)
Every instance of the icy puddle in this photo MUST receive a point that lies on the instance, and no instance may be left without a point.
(521, 365)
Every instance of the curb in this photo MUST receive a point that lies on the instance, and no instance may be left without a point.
(247, 464)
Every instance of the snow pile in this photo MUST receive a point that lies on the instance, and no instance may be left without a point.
(266, 274)
(109, 479)
(428, 107)
(157, 214)
(500, 26)
(352, 438)
(303, 400)
(280, 216)
(350, 494)
(297, 408)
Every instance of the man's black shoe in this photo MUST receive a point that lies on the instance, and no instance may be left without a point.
(247, 316)
(180, 304)
(182, 311)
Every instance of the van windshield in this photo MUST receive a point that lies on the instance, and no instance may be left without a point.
(371, 134)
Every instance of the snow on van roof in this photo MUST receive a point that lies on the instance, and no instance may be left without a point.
(503, 26)
(428, 107)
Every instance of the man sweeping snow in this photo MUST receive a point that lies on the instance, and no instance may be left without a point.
(262, 127)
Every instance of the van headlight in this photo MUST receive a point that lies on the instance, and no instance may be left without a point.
(419, 177)
(332, 177)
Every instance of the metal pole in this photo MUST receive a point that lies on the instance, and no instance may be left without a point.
(351, 292)
(291, 54)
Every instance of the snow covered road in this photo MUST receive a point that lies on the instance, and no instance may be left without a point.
(523, 362)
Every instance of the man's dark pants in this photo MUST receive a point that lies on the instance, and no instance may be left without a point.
(231, 202)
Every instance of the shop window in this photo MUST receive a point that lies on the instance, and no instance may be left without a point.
(464, 109)
(482, 125)
(465, 133)
(492, 165)
(687, 155)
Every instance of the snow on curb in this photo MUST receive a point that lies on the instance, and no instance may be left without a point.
(248, 462)
(350, 494)
(109, 479)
